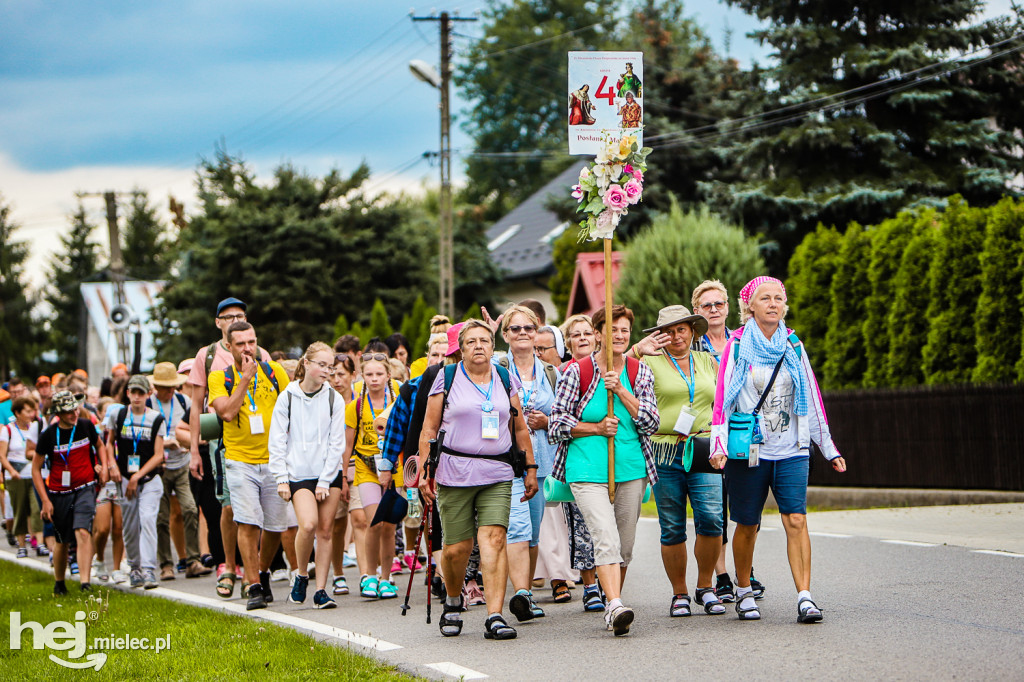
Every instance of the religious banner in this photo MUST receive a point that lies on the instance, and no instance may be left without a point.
(606, 98)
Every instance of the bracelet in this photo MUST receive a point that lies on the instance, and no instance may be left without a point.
(636, 354)
(532, 466)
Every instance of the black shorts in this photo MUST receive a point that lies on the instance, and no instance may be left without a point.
(72, 511)
(309, 485)
(338, 480)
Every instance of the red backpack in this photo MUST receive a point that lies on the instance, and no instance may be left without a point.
(587, 371)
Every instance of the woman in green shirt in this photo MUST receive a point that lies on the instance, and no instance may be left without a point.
(684, 385)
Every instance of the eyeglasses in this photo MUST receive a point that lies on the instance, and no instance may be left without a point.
(379, 357)
(528, 328)
(237, 317)
(322, 365)
(542, 349)
(712, 305)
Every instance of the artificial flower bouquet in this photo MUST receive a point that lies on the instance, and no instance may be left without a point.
(612, 183)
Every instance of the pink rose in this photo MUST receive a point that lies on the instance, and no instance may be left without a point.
(637, 175)
(628, 169)
(577, 192)
(616, 198)
(633, 190)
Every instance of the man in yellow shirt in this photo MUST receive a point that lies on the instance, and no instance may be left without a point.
(243, 396)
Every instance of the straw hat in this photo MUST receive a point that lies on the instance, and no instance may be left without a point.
(672, 315)
(166, 374)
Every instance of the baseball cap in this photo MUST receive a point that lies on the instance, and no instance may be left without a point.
(185, 366)
(139, 382)
(43, 381)
(65, 401)
(230, 302)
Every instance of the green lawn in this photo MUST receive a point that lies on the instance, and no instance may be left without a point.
(204, 645)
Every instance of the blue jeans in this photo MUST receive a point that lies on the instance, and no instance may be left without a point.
(537, 511)
(748, 487)
(670, 492)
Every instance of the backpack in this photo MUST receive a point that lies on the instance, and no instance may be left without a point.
(588, 369)
(211, 354)
(180, 397)
(419, 406)
(506, 381)
(229, 377)
(549, 371)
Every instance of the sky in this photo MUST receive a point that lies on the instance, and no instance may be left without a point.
(121, 95)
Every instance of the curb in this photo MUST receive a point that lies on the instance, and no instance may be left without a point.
(829, 497)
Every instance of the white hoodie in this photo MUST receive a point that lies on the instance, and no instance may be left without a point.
(310, 444)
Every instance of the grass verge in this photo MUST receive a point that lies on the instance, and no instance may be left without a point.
(203, 645)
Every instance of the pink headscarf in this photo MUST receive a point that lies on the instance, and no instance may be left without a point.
(747, 291)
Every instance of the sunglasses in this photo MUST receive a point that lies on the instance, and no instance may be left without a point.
(379, 357)
(528, 328)
(712, 304)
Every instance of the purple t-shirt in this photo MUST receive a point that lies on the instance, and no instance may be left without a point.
(463, 426)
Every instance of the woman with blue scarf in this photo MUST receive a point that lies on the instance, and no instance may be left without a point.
(765, 364)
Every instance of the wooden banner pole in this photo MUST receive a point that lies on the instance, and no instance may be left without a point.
(609, 359)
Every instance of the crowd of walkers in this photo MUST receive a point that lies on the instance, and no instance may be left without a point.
(480, 467)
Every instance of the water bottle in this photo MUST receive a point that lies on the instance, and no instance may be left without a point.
(412, 495)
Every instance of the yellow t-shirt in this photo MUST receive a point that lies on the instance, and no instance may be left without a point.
(240, 444)
(366, 443)
(417, 368)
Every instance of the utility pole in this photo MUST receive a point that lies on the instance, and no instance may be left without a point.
(446, 250)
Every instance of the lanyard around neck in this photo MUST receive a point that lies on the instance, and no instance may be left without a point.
(526, 394)
(136, 432)
(486, 405)
(249, 393)
(67, 452)
(167, 419)
(690, 382)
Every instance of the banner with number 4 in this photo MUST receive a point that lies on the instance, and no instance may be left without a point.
(606, 98)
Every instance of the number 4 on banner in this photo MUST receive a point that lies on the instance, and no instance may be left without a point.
(609, 95)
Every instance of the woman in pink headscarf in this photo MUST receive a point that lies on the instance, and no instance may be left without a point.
(766, 379)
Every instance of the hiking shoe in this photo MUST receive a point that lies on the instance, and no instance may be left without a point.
(11, 540)
(323, 601)
(42, 551)
(22, 552)
(207, 561)
(197, 570)
(150, 580)
(256, 598)
(59, 588)
(756, 586)
(519, 605)
(118, 577)
(592, 599)
(347, 561)
(74, 568)
(182, 566)
(724, 589)
(167, 572)
(278, 576)
(619, 619)
(99, 570)
(397, 566)
(136, 579)
(438, 588)
(265, 577)
(298, 594)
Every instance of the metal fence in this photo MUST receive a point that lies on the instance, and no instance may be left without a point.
(959, 437)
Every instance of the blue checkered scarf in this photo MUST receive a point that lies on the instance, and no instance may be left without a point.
(755, 349)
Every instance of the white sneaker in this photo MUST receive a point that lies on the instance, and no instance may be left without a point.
(99, 570)
(118, 577)
(279, 575)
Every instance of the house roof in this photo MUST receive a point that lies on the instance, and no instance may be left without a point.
(520, 243)
(587, 294)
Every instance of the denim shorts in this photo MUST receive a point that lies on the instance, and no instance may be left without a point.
(520, 523)
(670, 492)
(748, 487)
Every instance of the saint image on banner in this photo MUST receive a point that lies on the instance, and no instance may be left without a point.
(580, 107)
(630, 112)
(628, 82)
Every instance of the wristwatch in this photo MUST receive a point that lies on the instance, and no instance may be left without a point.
(386, 465)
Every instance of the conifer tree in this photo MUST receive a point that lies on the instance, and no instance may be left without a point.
(845, 359)
(809, 286)
(18, 335)
(77, 262)
(998, 320)
(888, 242)
(907, 321)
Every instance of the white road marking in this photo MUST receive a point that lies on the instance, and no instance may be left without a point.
(822, 534)
(998, 552)
(911, 543)
(457, 671)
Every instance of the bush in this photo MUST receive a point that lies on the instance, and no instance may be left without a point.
(906, 324)
(809, 285)
(678, 251)
(997, 322)
(888, 243)
(845, 357)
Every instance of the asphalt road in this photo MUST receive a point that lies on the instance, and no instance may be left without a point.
(897, 607)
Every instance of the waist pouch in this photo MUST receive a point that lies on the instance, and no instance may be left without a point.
(697, 456)
(515, 458)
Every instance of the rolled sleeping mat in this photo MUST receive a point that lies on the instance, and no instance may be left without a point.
(556, 491)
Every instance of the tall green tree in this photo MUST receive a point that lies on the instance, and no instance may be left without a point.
(75, 263)
(908, 322)
(809, 286)
(416, 326)
(18, 331)
(910, 133)
(662, 267)
(380, 327)
(845, 359)
(888, 242)
(148, 249)
(951, 353)
(998, 320)
(517, 92)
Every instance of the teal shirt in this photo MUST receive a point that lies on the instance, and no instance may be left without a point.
(587, 458)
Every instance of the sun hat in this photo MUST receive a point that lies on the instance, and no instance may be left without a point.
(748, 290)
(392, 508)
(166, 374)
(231, 302)
(139, 382)
(671, 315)
(453, 339)
(65, 401)
(185, 366)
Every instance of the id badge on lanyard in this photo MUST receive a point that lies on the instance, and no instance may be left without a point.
(489, 425)
(255, 424)
(133, 464)
(684, 422)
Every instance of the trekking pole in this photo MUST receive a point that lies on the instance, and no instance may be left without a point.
(430, 558)
(412, 572)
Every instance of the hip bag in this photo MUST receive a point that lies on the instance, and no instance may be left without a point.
(742, 424)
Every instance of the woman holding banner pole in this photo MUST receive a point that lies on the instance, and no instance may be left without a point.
(582, 424)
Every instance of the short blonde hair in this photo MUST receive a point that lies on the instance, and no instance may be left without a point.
(398, 370)
(473, 323)
(436, 339)
(506, 320)
(746, 313)
(571, 322)
(703, 288)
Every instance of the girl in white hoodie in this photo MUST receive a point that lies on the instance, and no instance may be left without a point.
(307, 439)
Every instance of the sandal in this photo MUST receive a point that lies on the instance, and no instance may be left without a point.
(757, 586)
(560, 592)
(753, 613)
(226, 584)
(714, 607)
(451, 627)
(538, 612)
(386, 590)
(520, 607)
(368, 587)
(680, 606)
(804, 615)
(496, 628)
(340, 585)
(592, 599)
